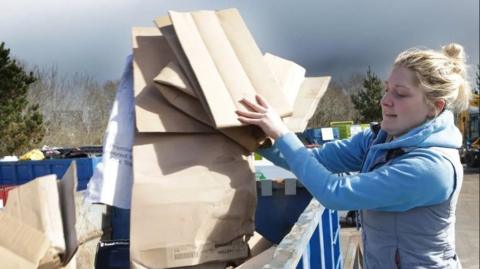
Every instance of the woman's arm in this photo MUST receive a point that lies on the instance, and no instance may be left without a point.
(340, 156)
(411, 180)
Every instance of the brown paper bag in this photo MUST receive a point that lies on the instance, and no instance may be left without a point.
(193, 200)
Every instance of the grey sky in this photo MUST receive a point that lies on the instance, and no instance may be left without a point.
(334, 37)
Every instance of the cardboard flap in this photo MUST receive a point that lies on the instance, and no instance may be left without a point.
(249, 137)
(21, 246)
(171, 75)
(165, 26)
(153, 114)
(66, 191)
(226, 62)
(288, 74)
(311, 91)
(37, 204)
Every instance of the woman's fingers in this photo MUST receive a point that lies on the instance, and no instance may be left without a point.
(250, 114)
(249, 120)
(252, 106)
(262, 101)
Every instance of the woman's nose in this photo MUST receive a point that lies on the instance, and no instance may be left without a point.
(386, 100)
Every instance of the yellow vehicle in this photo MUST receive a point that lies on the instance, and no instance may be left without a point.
(468, 123)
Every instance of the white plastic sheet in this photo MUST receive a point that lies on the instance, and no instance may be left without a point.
(112, 179)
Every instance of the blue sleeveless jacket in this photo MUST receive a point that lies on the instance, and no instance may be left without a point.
(408, 202)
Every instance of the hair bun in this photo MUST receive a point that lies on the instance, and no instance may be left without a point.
(454, 51)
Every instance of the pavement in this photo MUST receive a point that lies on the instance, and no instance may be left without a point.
(467, 225)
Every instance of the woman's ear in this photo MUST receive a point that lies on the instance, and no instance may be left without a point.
(437, 108)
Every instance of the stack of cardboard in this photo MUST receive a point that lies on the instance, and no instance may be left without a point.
(194, 192)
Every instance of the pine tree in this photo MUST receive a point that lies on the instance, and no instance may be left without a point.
(367, 100)
(21, 124)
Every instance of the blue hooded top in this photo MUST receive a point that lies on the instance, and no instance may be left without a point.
(418, 177)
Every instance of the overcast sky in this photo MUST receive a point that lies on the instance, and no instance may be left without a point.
(334, 37)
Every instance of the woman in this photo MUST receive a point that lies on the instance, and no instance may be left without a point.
(409, 175)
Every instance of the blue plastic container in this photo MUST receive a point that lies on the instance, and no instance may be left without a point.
(20, 172)
(314, 135)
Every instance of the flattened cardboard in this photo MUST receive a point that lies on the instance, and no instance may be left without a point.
(37, 204)
(47, 206)
(288, 74)
(249, 137)
(227, 63)
(21, 246)
(66, 191)
(312, 90)
(165, 26)
(171, 75)
(153, 114)
(193, 200)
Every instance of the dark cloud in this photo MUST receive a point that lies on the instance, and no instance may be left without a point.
(327, 37)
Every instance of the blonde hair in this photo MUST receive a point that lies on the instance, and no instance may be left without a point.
(441, 74)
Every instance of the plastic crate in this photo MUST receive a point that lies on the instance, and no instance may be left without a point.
(343, 127)
(20, 172)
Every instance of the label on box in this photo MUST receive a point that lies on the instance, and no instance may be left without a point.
(190, 254)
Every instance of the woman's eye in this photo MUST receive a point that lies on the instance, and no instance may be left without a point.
(400, 94)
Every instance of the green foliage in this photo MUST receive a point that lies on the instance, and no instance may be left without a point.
(335, 105)
(367, 100)
(20, 122)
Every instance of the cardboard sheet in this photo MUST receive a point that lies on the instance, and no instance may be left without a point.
(38, 223)
(249, 137)
(66, 191)
(226, 62)
(37, 204)
(165, 26)
(306, 102)
(171, 75)
(21, 246)
(193, 200)
(153, 114)
(289, 75)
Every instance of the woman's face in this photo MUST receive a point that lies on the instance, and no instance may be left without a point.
(403, 104)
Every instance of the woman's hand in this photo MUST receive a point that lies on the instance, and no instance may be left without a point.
(263, 116)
